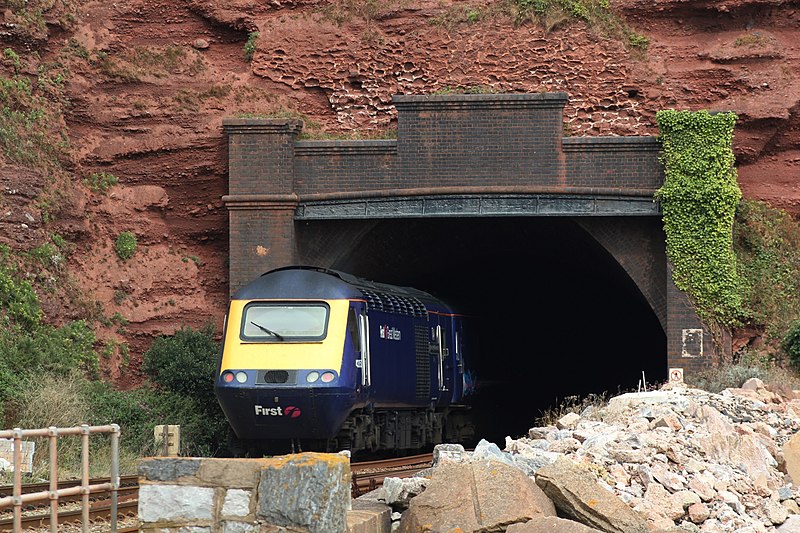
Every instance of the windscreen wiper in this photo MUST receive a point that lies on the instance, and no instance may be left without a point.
(267, 331)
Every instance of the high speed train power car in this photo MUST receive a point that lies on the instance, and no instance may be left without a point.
(330, 361)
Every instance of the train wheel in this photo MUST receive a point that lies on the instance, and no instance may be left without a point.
(236, 446)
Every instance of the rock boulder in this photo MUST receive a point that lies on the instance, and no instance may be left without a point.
(576, 493)
(475, 497)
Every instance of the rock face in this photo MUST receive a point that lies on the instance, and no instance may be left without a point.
(666, 461)
(478, 496)
(339, 63)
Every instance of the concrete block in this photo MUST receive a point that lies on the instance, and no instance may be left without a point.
(310, 490)
(7, 455)
(176, 503)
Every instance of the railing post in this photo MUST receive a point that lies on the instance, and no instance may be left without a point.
(52, 436)
(17, 479)
(85, 477)
(114, 475)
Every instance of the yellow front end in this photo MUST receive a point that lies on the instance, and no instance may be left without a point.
(285, 355)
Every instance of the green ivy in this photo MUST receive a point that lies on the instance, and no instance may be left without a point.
(699, 199)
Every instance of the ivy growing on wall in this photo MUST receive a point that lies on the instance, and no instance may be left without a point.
(699, 199)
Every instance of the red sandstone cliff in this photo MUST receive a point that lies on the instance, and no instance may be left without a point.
(146, 100)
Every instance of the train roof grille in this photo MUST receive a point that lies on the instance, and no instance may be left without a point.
(392, 303)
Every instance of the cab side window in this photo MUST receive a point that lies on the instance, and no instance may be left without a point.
(352, 329)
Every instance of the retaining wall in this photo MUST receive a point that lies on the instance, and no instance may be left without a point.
(308, 492)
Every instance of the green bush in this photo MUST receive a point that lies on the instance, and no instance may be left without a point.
(138, 411)
(101, 182)
(767, 245)
(791, 344)
(18, 300)
(48, 350)
(183, 365)
(125, 245)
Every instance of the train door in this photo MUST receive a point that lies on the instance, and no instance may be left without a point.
(458, 361)
(358, 332)
(441, 362)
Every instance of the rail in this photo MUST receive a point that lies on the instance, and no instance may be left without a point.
(369, 475)
(84, 489)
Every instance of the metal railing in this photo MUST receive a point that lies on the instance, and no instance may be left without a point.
(84, 489)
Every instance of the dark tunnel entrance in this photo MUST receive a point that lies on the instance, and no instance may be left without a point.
(554, 315)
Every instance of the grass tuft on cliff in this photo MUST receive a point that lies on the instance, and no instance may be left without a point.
(597, 14)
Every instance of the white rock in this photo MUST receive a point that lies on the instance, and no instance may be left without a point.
(775, 512)
(175, 503)
(237, 503)
(568, 421)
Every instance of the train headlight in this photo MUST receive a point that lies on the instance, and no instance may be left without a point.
(312, 376)
(227, 377)
(241, 377)
(327, 377)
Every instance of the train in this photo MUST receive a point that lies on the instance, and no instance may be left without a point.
(321, 360)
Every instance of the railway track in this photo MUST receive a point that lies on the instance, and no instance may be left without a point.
(36, 516)
(367, 476)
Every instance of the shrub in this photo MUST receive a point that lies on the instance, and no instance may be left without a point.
(136, 411)
(791, 344)
(184, 362)
(767, 246)
(48, 350)
(184, 365)
(101, 182)
(729, 376)
(250, 45)
(18, 300)
(125, 245)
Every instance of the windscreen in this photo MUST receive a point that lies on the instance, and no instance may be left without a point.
(279, 322)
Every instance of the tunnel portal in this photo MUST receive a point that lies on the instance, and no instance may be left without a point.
(553, 245)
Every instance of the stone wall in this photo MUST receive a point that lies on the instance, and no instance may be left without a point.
(304, 492)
